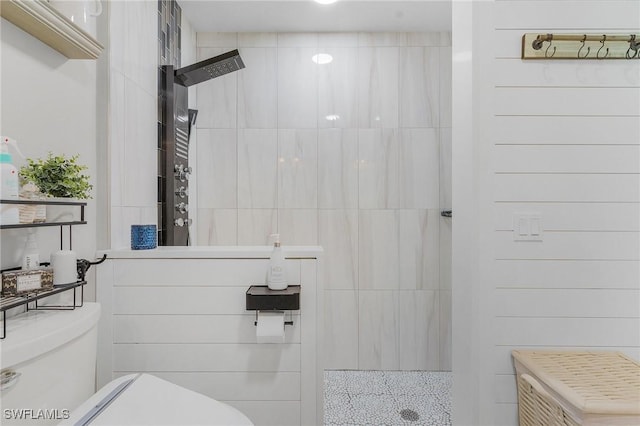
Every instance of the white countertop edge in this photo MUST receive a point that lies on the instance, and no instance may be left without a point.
(213, 252)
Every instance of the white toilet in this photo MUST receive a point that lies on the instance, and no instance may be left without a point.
(48, 374)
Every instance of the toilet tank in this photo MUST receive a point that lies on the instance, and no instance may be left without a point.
(51, 357)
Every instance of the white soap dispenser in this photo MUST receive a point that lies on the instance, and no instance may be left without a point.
(276, 274)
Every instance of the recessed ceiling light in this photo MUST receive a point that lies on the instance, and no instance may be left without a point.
(333, 117)
(325, 1)
(322, 58)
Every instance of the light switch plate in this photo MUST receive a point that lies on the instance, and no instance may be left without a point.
(527, 227)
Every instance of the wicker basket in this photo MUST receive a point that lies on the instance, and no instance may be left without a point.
(577, 388)
(27, 213)
(31, 213)
(537, 408)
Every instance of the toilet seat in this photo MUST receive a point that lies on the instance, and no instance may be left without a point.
(143, 399)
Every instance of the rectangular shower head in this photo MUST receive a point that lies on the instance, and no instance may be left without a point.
(209, 68)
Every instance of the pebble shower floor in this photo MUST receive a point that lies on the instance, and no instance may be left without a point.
(387, 398)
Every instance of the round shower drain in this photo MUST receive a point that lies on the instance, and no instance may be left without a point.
(409, 415)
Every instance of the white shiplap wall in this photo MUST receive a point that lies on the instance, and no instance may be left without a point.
(184, 319)
(566, 144)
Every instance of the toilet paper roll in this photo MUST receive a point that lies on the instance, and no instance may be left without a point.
(270, 328)
(65, 269)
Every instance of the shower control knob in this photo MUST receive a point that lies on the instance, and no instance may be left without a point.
(182, 192)
(182, 208)
(187, 172)
(181, 173)
(180, 222)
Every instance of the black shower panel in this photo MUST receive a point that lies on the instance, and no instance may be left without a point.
(178, 121)
(175, 168)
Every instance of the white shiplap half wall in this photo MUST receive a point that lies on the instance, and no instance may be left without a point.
(565, 144)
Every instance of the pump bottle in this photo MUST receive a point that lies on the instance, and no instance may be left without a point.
(276, 274)
(31, 258)
(9, 184)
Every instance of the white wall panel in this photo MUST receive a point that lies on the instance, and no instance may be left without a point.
(570, 15)
(193, 329)
(561, 332)
(206, 357)
(573, 216)
(197, 272)
(507, 44)
(578, 303)
(239, 386)
(506, 414)
(571, 245)
(506, 388)
(567, 130)
(516, 72)
(560, 139)
(575, 101)
(567, 187)
(550, 273)
(178, 300)
(568, 159)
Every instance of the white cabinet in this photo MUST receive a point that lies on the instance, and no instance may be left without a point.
(48, 25)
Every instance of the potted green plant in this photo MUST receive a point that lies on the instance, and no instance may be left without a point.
(57, 176)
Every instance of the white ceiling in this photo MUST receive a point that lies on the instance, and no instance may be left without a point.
(309, 16)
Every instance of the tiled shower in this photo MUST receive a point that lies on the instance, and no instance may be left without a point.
(353, 155)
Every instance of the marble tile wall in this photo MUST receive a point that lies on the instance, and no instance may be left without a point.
(353, 155)
(133, 48)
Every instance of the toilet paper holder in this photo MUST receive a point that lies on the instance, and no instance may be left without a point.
(261, 298)
(290, 322)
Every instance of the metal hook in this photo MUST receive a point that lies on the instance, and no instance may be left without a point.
(604, 39)
(633, 45)
(584, 40)
(546, 52)
(539, 41)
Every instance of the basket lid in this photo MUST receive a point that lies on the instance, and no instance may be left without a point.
(593, 382)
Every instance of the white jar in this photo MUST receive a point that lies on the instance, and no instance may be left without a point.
(65, 268)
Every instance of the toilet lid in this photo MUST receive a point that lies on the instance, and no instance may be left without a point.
(147, 400)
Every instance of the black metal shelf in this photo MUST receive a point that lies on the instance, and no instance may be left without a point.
(28, 299)
(81, 204)
(261, 298)
(11, 302)
(45, 202)
(36, 225)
